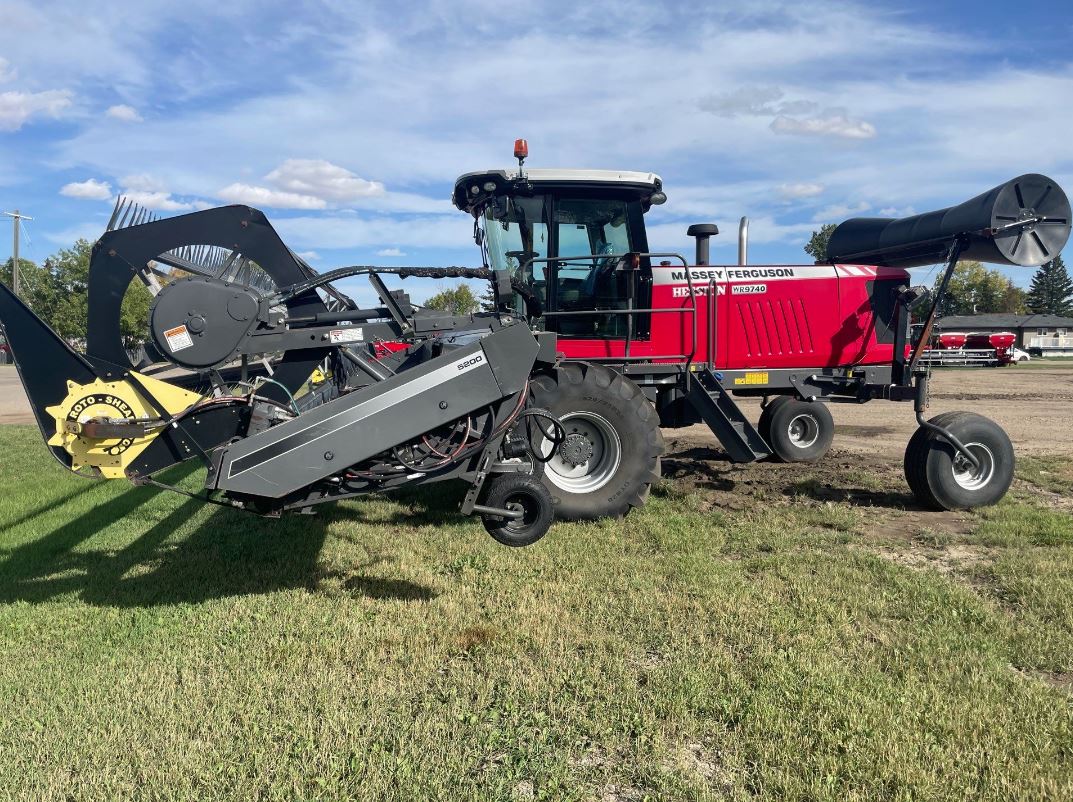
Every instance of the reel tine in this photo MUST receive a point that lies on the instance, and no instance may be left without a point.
(115, 213)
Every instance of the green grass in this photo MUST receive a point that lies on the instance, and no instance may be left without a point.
(154, 648)
(1054, 474)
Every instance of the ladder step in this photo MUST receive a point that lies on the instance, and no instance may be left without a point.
(725, 418)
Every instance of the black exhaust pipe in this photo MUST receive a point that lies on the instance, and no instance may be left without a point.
(1024, 222)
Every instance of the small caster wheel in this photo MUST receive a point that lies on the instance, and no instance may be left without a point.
(522, 493)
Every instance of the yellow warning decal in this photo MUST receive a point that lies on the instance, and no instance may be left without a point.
(752, 378)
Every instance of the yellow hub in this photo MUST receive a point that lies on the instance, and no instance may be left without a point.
(111, 402)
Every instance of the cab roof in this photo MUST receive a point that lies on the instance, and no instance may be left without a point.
(473, 189)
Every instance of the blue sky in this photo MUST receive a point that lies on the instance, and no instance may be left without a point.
(348, 123)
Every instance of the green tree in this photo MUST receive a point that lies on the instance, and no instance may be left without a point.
(488, 299)
(25, 266)
(976, 290)
(458, 300)
(70, 274)
(817, 244)
(1015, 299)
(1051, 291)
(58, 293)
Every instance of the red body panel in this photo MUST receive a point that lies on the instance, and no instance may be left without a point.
(766, 316)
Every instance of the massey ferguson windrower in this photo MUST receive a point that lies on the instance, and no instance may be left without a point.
(692, 336)
(291, 395)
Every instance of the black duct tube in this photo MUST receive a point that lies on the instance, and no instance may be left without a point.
(1024, 222)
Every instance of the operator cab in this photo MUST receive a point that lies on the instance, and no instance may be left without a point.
(570, 237)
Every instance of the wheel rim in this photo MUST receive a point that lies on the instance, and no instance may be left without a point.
(527, 506)
(803, 430)
(966, 475)
(595, 432)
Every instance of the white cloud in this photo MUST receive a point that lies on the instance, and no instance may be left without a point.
(390, 252)
(307, 184)
(756, 101)
(799, 190)
(90, 189)
(16, 108)
(339, 231)
(141, 182)
(831, 124)
(150, 192)
(310, 256)
(837, 212)
(127, 114)
(158, 201)
(262, 196)
(7, 72)
(322, 179)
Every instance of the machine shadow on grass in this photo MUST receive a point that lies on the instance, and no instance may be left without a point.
(712, 470)
(230, 554)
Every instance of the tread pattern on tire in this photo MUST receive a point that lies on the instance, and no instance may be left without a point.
(920, 459)
(782, 450)
(564, 390)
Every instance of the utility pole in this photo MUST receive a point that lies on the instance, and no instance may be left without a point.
(16, 219)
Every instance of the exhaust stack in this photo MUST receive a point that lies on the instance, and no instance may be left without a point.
(743, 241)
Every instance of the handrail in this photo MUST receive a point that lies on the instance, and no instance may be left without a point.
(630, 311)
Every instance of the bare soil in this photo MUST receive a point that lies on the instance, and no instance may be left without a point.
(1033, 404)
(864, 468)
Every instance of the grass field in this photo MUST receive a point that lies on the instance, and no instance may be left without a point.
(154, 648)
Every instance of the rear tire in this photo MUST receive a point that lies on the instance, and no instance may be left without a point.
(799, 431)
(611, 456)
(942, 479)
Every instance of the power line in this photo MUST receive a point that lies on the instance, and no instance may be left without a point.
(16, 218)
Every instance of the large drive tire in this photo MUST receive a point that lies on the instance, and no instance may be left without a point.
(611, 455)
(799, 431)
(942, 479)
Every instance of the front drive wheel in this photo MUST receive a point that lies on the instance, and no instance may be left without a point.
(610, 455)
(941, 478)
(798, 431)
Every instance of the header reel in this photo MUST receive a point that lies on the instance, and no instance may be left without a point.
(247, 323)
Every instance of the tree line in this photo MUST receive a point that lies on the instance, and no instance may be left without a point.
(975, 289)
(58, 293)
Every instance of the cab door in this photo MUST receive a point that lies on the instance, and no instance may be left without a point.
(590, 286)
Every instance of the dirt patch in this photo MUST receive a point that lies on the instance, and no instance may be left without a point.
(957, 558)
(841, 476)
(1062, 680)
(1034, 406)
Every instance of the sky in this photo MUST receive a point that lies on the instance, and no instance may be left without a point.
(347, 123)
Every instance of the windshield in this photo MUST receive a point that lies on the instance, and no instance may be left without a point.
(516, 232)
(591, 235)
